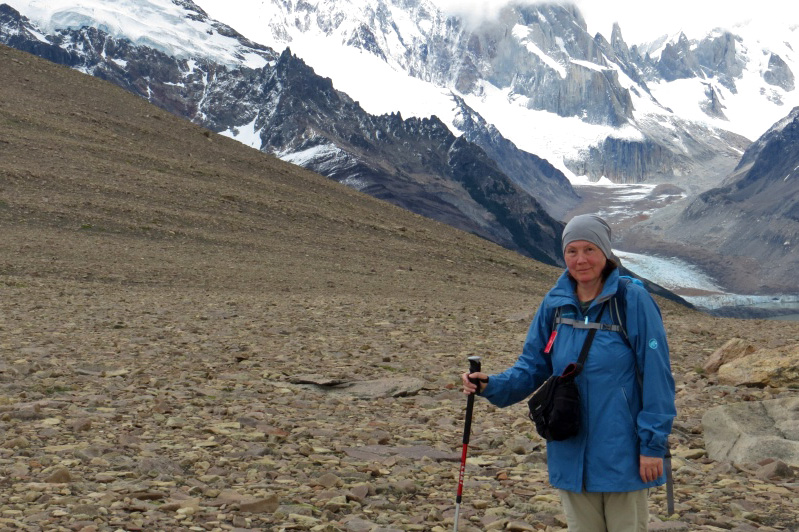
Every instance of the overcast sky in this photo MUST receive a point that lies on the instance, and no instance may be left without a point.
(644, 20)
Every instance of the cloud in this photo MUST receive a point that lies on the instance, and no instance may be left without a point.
(472, 11)
(645, 21)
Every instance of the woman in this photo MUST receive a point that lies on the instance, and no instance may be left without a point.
(604, 473)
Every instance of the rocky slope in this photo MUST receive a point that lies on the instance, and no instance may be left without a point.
(745, 231)
(291, 111)
(198, 336)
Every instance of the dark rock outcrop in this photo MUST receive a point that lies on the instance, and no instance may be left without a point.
(415, 163)
(779, 73)
(534, 175)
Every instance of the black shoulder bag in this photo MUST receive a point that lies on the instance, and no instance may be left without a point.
(555, 405)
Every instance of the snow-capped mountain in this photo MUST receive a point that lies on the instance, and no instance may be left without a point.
(537, 99)
(742, 79)
(534, 72)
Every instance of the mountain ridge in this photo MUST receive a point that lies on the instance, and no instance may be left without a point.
(751, 219)
(339, 139)
(541, 57)
(223, 98)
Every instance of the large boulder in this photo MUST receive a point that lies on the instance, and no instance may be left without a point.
(751, 432)
(765, 367)
(734, 348)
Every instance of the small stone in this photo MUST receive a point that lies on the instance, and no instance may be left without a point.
(336, 503)
(776, 470)
(304, 520)
(690, 454)
(59, 476)
(170, 507)
(328, 480)
(89, 510)
(228, 496)
(358, 492)
(404, 486)
(357, 524)
(147, 495)
(81, 425)
(19, 471)
(20, 442)
(259, 506)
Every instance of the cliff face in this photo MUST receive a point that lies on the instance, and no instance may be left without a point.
(779, 73)
(544, 59)
(625, 161)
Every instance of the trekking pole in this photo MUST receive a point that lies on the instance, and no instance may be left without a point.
(669, 483)
(474, 366)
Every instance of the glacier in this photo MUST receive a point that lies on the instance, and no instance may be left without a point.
(159, 24)
(695, 286)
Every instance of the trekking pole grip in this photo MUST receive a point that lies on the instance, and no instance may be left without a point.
(474, 367)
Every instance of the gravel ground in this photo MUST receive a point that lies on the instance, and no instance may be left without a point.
(195, 336)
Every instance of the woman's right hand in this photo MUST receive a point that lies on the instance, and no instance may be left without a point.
(469, 387)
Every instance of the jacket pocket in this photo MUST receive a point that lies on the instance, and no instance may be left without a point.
(630, 417)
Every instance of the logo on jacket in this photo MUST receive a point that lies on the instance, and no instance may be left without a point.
(653, 344)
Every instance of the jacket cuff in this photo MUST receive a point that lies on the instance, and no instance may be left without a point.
(655, 452)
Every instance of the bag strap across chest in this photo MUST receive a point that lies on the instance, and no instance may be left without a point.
(578, 368)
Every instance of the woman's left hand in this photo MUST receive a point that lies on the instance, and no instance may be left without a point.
(651, 467)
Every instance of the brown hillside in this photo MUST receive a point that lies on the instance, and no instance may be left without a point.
(96, 181)
(176, 310)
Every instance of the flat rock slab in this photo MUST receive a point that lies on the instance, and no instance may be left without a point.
(765, 367)
(381, 452)
(367, 389)
(373, 389)
(749, 432)
(316, 379)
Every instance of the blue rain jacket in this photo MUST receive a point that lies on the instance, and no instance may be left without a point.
(623, 415)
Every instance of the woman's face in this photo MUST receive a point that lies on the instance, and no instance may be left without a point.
(585, 261)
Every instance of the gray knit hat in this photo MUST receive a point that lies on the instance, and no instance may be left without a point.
(591, 228)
